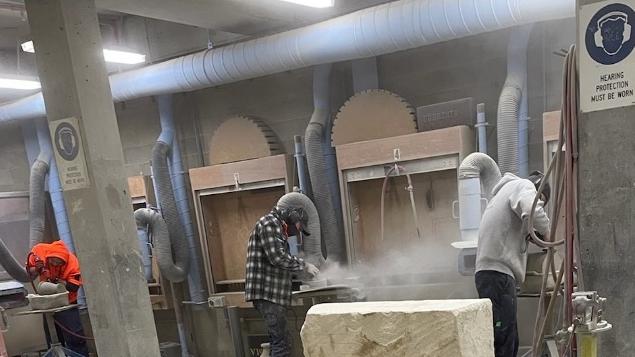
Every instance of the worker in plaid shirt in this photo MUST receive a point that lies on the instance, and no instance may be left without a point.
(269, 268)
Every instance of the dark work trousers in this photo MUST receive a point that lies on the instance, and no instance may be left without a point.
(71, 321)
(501, 290)
(275, 316)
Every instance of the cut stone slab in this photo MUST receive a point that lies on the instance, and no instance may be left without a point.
(429, 328)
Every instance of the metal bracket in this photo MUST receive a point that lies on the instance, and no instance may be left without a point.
(237, 180)
(396, 154)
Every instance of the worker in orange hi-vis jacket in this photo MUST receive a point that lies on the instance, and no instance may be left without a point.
(54, 263)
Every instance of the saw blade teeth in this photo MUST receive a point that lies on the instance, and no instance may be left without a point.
(364, 116)
(241, 138)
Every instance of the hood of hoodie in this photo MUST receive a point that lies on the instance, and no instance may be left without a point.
(59, 250)
(509, 177)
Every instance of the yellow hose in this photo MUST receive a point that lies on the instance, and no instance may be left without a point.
(587, 345)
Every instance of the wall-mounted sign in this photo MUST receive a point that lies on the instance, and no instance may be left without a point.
(607, 61)
(69, 153)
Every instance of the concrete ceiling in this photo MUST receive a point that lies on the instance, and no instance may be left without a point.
(245, 17)
(169, 28)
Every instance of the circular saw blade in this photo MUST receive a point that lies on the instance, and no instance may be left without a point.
(242, 138)
(373, 114)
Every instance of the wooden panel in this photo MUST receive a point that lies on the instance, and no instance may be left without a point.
(434, 193)
(136, 187)
(550, 126)
(250, 171)
(229, 219)
(456, 140)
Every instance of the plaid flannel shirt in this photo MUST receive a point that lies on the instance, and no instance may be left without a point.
(269, 264)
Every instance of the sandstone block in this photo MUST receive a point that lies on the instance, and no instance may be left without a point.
(430, 328)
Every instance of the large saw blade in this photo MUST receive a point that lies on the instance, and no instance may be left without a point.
(241, 138)
(373, 114)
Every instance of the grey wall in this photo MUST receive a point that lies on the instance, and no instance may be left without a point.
(14, 168)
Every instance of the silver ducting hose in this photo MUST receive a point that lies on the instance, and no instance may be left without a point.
(174, 269)
(36, 200)
(312, 244)
(330, 225)
(12, 266)
(170, 214)
(479, 165)
(510, 103)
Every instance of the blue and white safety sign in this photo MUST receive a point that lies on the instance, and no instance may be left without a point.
(69, 153)
(607, 59)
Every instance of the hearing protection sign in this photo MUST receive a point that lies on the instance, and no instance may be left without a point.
(607, 61)
(69, 154)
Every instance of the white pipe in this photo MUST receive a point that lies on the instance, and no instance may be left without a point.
(379, 30)
(481, 125)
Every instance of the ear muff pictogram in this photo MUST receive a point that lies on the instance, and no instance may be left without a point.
(612, 16)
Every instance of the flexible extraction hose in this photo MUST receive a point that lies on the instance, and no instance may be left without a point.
(197, 292)
(509, 103)
(36, 199)
(398, 169)
(176, 236)
(11, 265)
(330, 223)
(483, 167)
(312, 244)
(174, 269)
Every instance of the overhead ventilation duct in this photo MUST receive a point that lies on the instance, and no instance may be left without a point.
(387, 28)
(512, 126)
(313, 243)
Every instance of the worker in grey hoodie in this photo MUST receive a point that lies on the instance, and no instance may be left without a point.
(501, 258)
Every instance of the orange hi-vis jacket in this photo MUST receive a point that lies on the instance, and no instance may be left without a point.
(69, 272)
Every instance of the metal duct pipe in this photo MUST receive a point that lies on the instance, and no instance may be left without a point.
(318, 169)
(510, 102)
(378, 30)
(476, 171)
(55, 188)
(177, 177)
(481, 125)
(174, 269)
(300, 163)
(12, 266)
(313, 244)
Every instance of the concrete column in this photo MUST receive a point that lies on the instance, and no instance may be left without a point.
(606, 216)
(75, 84)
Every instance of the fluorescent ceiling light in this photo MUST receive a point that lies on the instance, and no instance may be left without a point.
(23, 84)
(124, 57)
(313, 3)
(113, 56)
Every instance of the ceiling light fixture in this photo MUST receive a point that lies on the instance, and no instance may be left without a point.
(22, 84)
(112, 56)
(313, 3)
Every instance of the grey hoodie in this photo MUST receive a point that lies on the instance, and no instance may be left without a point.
(501, 236)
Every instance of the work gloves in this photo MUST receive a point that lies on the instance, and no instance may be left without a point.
(311, 269)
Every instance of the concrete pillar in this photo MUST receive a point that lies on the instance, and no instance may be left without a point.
(606, 216)
(75, 84)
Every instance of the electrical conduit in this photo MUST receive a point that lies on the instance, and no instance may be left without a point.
(510, 105)
(177, 175)
(378, 30)
(318, 169)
